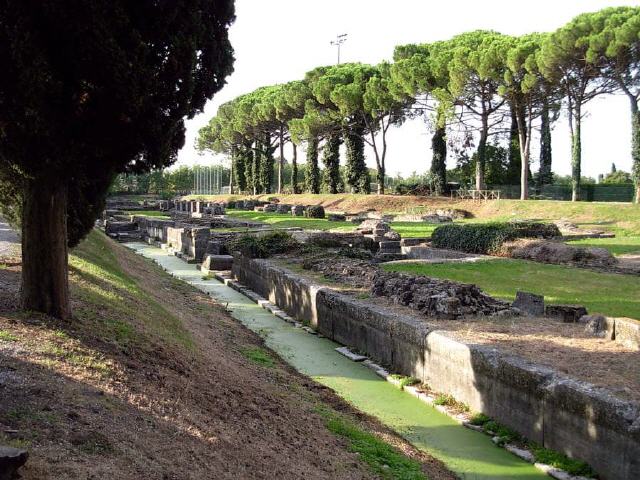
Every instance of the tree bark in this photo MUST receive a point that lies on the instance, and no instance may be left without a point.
(482, 153)
(524, 142)
(545, 175)
(515, 155)
(45, 286)
(576, 156)
(439, 159)
(281, 162)
(294, 169)
(232, 169)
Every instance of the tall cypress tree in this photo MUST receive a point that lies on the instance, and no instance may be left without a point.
(514, 165)
(239, 169)
(545, 176)
(312, 172)
(294, 169)
(266, 164)
(439, 159)
(357, 172)
(331, 161)
(256, 167)
(89, 90)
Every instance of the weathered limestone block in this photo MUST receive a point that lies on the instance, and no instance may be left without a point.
(529, 303)
(566, 313)
(627, 331)
(197, 240)
(390, 246)
(412, 242)
(336, 217)
(374, 227)
(216, 247)
(599, 326)
(283, 208)
(217, 262)
(115, 227)
(392, 235)
(271, 208)
(298, 210)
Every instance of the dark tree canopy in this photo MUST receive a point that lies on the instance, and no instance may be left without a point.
(93, 88)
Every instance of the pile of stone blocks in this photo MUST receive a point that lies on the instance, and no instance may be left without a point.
(270, 208)
(283, 208)
(374, 229)
(298, 210)
(438, 298)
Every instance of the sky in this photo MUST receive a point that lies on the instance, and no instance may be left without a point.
(278, 41)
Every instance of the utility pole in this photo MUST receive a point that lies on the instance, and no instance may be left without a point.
(340, 39)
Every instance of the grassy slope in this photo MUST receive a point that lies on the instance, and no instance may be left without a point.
(610, 294)
(621, 216)
(619, 245)
(146, 353)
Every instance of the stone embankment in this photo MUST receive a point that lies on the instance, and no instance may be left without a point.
(547, 407)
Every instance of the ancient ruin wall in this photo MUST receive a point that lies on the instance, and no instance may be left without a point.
(558, 412)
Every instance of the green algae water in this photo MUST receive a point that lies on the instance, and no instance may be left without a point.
(471, 455)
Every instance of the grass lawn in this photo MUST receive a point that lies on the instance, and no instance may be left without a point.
(148, 213)
(287, 220)
(609, 294)
(617, 246)
(406, 229)
(414, 229)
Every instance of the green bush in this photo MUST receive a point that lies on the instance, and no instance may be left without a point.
(264, 246)
(488, 237)
(314, 211)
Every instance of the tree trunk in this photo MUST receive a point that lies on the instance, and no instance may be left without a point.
(524, 142)
(576, 156)
(439, 159)
(515, 155)
(281, 162)
(45, 286)
(635, 147)
(312, 172)
(380, 178)
(294, 169)
(482, 154)
(545, 175)
(232, 169)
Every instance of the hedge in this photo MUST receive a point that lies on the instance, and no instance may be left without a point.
(263, 246)
(488, 237)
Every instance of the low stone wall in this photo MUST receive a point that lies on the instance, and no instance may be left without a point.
(191, 242)
(154, 228)
(556, 411)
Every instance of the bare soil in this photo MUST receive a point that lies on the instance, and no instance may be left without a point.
(89, 407)
(564, 347)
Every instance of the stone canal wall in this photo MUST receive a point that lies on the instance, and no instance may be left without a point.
(561, 413)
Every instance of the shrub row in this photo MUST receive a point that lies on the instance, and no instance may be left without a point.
(488, 237)
(263, 246)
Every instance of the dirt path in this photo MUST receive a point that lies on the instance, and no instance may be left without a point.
(9, 240)
(93, 399)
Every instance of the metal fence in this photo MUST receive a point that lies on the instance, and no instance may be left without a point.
(588, 193)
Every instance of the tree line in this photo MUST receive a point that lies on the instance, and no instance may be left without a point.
(473, 86)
